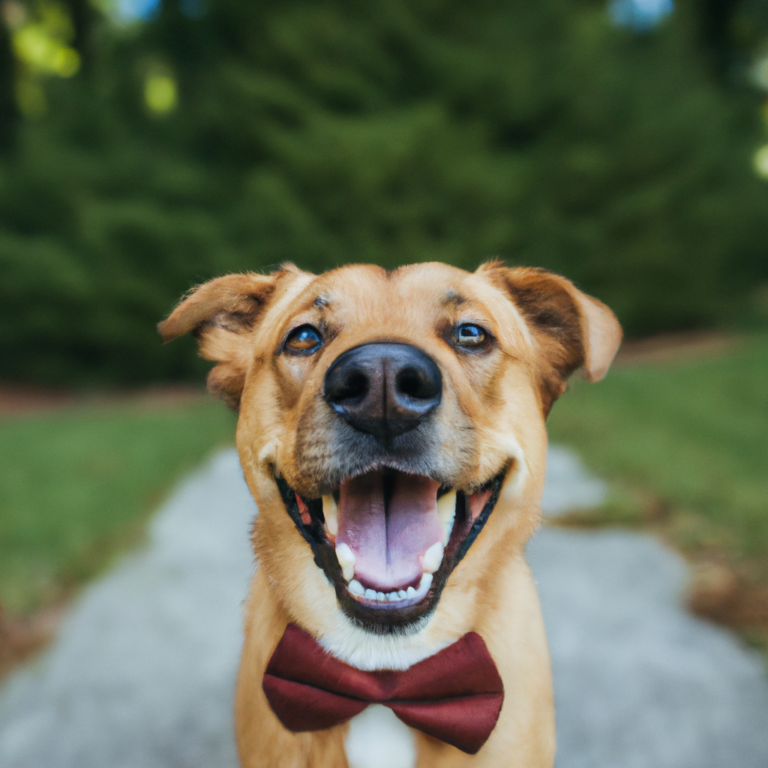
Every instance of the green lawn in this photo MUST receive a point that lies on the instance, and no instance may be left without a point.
(685, 446)
(77, 485)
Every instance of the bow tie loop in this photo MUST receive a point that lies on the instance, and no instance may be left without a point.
(455, 695)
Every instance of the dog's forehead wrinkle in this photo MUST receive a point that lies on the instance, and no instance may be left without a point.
(285, 305)
(453, 297)
(494, 297)
(366, 304)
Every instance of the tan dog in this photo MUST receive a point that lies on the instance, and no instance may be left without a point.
(402, 414)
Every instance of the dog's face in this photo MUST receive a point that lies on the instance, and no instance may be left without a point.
(392, 423)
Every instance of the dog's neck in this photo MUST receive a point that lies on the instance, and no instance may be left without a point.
(368, 651)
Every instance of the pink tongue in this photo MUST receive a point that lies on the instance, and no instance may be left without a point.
(388, 543)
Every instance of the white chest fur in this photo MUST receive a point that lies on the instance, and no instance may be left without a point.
(377, 739)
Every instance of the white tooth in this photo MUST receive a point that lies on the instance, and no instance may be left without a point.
(432, 558)
(331, 514)
(393, 597)
(411, 592)
(402, 594)
(370, 594)
(347, 560)
(356, 588)
(426, 582)
(381, 597)
(446, 511)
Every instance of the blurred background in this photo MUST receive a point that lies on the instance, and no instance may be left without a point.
(149, 145)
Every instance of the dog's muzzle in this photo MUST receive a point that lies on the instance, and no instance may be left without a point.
(385, 530)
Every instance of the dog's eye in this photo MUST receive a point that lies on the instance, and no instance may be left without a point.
(303, 340)
(469, 335)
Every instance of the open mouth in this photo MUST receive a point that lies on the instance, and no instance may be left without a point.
(388, 540)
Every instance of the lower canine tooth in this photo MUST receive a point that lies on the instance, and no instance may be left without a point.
(331, 515)
(432, 558)
(347, 559)
(426, 582)
(356, 588)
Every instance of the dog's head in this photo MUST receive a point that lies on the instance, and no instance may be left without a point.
(391, 424)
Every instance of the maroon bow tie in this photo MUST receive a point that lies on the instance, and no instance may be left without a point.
(454, 696)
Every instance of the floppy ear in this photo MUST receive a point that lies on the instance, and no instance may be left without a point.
(221, 314)
(572, 330)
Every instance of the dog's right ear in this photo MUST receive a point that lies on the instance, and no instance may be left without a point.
(221, 315)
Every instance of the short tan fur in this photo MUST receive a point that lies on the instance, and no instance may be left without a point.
(492, 416)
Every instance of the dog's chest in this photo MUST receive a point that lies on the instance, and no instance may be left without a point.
(377, 739)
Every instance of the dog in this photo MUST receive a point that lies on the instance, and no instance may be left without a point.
(391, 429)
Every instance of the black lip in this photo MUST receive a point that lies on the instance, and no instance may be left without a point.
(389, 619)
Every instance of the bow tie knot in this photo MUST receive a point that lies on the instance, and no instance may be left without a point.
(455, 695)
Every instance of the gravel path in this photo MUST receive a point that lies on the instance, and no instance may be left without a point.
(142, 673)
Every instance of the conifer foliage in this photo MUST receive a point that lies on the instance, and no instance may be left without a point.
(391, 132)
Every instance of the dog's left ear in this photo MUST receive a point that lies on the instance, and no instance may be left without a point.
(221, 315)
(571, 329)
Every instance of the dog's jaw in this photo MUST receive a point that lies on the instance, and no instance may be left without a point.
(428, 571)
(461, 600)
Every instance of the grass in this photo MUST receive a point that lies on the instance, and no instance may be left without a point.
(77, 486)
(685, 447)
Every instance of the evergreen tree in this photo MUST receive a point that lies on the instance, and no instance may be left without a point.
(389, 132)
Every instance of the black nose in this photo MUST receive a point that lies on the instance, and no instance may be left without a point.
(384, 389)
